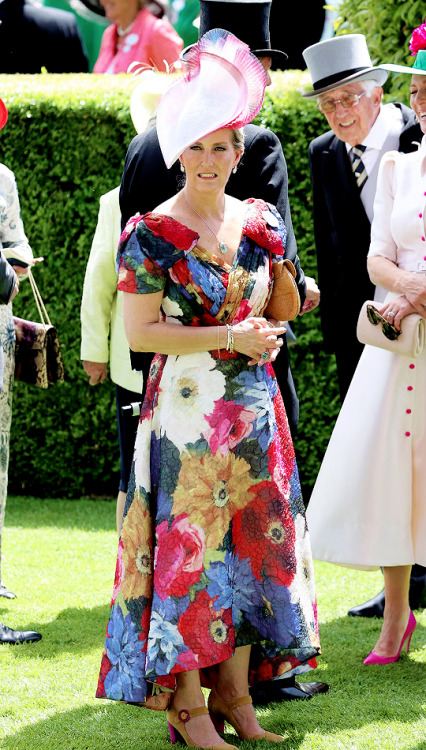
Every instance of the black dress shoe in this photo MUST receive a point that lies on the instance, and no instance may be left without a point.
(376, 606)
(264, 693)
(7, 635)
(373, 608)
(6, 593)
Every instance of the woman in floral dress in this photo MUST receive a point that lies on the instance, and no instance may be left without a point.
(214, 581)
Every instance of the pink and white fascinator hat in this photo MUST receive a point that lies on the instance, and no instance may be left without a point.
(223, 87)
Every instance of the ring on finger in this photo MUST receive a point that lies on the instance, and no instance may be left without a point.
(265, 355)
(390, 314)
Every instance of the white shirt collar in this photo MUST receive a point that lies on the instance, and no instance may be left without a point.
(388, 119)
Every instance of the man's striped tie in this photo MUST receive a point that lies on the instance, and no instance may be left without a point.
(358, 167)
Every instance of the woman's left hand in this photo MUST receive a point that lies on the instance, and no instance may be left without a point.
(273, 353)
(397, 309)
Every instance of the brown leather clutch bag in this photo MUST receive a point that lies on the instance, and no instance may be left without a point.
(284, 302)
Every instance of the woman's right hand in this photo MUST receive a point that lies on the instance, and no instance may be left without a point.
(255, 336)
(397, 309)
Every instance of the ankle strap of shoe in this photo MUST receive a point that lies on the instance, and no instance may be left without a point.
(239, 702)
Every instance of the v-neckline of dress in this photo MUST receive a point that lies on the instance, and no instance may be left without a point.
(217, 258)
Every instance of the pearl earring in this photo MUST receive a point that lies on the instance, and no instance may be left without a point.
(234, 170)
(182, 168)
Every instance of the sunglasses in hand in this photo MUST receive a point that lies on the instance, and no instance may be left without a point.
(388, 329)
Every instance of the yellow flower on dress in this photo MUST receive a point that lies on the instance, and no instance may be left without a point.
(210, 491)
(137, 552)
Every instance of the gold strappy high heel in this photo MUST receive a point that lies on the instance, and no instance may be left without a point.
(177, 721)
(221, 711)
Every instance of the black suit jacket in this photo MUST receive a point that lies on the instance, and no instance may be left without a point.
(342, 238)
(262, 173)
(33, 37)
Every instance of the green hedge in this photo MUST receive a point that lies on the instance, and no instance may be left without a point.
(65, 140)
(387, 26)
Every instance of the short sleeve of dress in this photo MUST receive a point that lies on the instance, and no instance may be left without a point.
(382, 241)
(149, 247)
(265, 225)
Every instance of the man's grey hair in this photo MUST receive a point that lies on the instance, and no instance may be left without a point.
(369, 85)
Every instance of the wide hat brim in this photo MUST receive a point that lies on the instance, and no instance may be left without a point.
(223, 88)
(3, 114)
(368, 74)
(276, 54)
(404, 69)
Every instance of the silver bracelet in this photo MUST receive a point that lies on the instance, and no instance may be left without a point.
(230, 339)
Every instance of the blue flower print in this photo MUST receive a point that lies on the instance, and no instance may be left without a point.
(256, 392)
(273, 615)
(124, 680)
(211, 285)
(232, 582)
(165, 643)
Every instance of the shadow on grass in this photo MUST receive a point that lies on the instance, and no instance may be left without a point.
(359, 695)
(84, 514)
(106, 725)
(75, 630)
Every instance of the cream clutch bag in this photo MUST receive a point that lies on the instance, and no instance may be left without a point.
(410, 341)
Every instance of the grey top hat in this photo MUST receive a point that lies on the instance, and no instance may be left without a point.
(340, 60)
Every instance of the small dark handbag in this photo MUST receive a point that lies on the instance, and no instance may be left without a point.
(38, 359)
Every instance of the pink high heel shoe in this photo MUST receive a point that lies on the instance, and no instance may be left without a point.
(373, 658)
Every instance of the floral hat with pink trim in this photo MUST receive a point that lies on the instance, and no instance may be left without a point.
(418, 48)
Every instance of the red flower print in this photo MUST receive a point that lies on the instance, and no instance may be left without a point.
(105, 667)
(244, 311)
(208, 632)
(126, 279)
(264, 533)
(179, 557)
(128, 229)
(152, 387)
(119, 572)
(257, 229)
(171, 230)
(229, 424)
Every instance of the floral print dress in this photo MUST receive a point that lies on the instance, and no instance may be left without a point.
(214, 550)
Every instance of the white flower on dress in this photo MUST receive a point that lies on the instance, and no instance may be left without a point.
(142, 456)
(171, 307)
(302, 588)
(189, 388)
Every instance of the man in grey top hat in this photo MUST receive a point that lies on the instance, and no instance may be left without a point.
(344, 165)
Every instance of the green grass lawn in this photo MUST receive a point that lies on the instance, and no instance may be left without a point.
(59, 557)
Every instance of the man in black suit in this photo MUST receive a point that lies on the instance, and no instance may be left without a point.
(262, 173)
(34, 37)
(348, 90)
